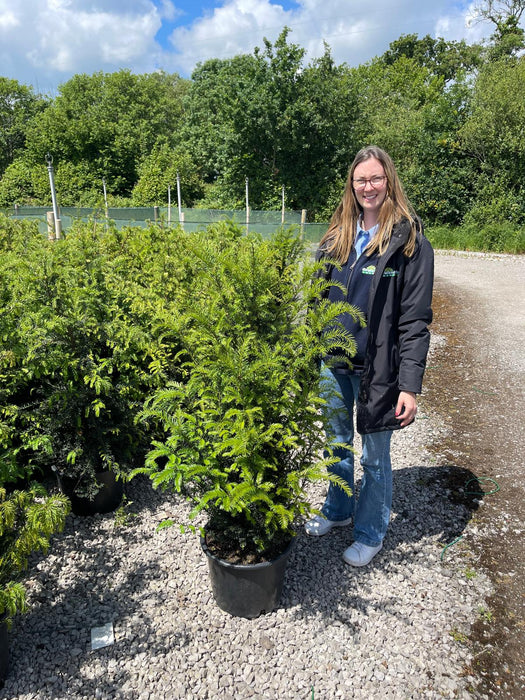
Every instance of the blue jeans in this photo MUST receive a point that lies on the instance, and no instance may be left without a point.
(372, 510)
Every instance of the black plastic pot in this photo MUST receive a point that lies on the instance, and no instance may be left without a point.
(107, 499)
(247, 590)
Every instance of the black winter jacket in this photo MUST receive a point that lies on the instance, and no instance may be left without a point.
(399, 312)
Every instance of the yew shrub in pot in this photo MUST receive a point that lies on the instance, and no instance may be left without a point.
(243, 433)
(86, 337)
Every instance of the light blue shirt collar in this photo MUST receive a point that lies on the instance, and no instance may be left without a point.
(363, 237)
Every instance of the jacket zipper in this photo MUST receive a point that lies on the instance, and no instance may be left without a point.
(349, 277)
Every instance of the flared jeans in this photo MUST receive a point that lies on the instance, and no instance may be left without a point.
(371, 509)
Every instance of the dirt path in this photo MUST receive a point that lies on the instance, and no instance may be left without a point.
(475, 384)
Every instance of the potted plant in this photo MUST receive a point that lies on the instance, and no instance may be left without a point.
(78, 356)
(27, 521)
(64, 400)
(243, 430)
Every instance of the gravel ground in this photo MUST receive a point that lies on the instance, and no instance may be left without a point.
(476, 385)
(395, 629)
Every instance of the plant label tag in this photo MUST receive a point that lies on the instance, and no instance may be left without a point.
(102, 636)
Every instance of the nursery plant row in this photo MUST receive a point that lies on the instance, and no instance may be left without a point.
(190, 357)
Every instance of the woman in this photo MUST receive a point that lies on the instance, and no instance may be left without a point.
(386, 266)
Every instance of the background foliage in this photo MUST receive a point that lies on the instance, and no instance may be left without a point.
(452, 116)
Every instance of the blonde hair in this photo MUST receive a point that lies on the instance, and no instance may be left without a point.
(339, 238)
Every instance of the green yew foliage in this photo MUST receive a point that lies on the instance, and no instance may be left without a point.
(243, 430)
(28, 519)
(193, 358)
(85, 337)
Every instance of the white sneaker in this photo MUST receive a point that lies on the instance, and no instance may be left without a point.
(360, 554)
(319, 525)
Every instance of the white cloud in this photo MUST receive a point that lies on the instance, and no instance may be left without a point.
(54, 39)
(236, 26)
(355, 32)
(45, 42)
(73, 37)
(169, 11)
(8, 20)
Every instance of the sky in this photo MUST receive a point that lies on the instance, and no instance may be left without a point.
(43, 43)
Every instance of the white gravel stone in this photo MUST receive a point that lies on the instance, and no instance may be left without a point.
(392, 629)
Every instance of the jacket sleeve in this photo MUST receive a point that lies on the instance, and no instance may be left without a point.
(415, 317)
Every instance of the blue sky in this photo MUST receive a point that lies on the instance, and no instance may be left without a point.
(44, 42)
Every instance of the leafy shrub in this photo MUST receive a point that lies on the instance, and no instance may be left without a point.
(28, 519)
(243, 434)
(446, 237)
(16, 235)
(159, 170)
(82, 345)
(502, 237)
(19, 243)
(24, 183)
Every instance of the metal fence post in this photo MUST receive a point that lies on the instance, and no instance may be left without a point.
(247, 207)
(58, 223)
(105, 197)
(179, 203)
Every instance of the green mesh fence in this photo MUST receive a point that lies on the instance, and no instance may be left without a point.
(263, 222)
(207, 216)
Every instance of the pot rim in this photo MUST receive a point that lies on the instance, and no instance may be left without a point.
(258, 565)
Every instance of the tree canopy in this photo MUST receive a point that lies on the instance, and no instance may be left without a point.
(450, 114)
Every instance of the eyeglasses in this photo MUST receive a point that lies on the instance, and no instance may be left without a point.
(375, 182)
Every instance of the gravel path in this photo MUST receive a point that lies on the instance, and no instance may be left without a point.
(395, 629)
(476, 384)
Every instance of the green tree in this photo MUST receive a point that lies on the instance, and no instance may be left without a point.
(18, 104)
(440, 179)
(328, 138)
(410, 111)
(208, 108)
(508, 37)
(443, 58)
(494, 138)
(274, 120)
(109, 123)
(159, 170)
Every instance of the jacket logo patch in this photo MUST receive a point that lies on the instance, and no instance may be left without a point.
(389, 272)
(369, 270)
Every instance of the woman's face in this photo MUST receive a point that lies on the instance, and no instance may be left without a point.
(370, 196)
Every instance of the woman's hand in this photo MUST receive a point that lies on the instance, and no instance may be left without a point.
(406, 408)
